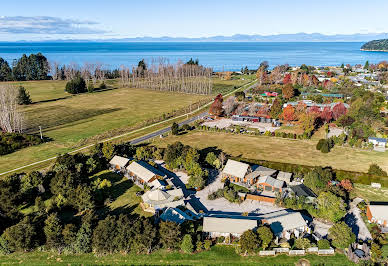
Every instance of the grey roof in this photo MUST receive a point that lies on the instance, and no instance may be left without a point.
(265, 171)
(378, 139)
(284, 176)
(286, 221)
(271, 181)
(235, 168)
(159, 197)
(118, 160)
(303, 191)
(174, 215)
(228, 225)
(143, 170)
(379, 211)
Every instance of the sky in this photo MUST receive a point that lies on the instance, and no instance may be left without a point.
(105, 19)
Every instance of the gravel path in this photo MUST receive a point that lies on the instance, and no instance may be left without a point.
(354, 220)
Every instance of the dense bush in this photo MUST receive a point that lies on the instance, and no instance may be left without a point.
(10, 142)
(76, 85)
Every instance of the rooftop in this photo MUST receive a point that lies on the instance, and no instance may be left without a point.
(118, 160)
(235, 168)
(228, 225)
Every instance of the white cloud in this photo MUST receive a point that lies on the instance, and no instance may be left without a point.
(47, 25)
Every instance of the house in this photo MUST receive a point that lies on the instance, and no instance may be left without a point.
(220, 226)
(284, 223)
(270, 184)
(143, 173)
(118, 163)
(158, 199)
(378, 213)
(235, 171)
(284, 176)
(303, 191)
(175, 215)
(378, 142)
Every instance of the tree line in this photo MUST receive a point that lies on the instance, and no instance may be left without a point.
(188, 78)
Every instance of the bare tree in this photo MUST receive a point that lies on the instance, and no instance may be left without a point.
(163, 76)
(11, 118)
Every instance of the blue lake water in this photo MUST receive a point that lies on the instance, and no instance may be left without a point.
(219, 55)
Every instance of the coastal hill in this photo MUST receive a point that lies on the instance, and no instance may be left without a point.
(376, 45)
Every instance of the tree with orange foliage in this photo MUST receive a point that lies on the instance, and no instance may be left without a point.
(216, 106)
(288, 91)
(347, 185)
(289, 113)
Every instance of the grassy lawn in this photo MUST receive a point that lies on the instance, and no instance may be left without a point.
(225, 86)
(282, 150)
(72, 120)
(371, 194)
(218, 255)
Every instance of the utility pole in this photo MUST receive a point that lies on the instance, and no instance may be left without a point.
(40, 130)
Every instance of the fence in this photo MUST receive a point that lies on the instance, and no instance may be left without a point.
(260, 198)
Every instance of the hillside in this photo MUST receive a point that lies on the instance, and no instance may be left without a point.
(376, 45)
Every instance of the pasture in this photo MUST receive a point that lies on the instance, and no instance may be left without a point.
(282, 150)
(71, 121)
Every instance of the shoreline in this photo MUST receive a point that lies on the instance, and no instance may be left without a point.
(368, 50)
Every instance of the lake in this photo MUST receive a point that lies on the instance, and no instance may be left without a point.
(218, 55)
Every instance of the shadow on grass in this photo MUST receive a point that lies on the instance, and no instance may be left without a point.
(119, 189)
(53, 100)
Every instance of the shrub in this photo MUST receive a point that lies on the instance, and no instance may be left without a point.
(90, 87)
(374, 169)
(102, 86)
(320, 144)
(323, 244)
(207, 244)
(76, 85)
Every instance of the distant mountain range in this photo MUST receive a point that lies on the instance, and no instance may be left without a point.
(296, 37)
(376, 45)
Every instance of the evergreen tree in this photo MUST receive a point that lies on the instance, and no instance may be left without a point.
(76, 85)
(23, 97)
(5, 71)
(53, 231)
(83, 240)
(175, 129)
(170, 234)
(366, 66)
(341, 235)
(187, 244)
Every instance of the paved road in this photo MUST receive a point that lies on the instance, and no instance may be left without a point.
(167, 129)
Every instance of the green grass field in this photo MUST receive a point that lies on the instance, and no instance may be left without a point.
(282, 150)
(218, 255)
(74, 120)
(371, 194)
(70, 121)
